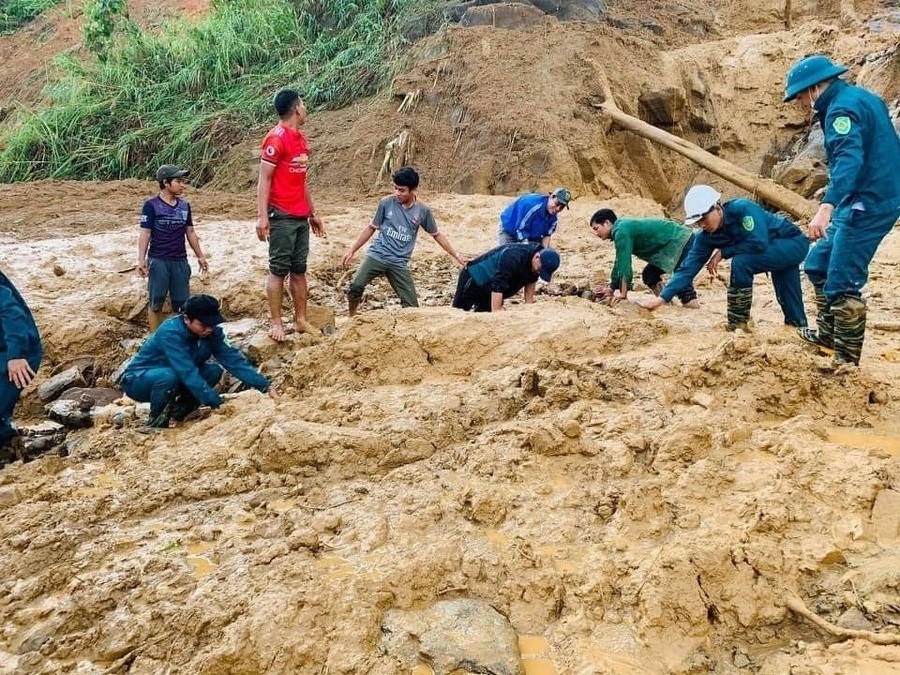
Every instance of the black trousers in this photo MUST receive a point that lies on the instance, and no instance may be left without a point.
(470, 295)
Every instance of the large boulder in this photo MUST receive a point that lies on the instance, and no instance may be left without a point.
(466, 635)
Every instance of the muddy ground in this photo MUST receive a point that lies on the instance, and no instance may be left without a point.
(641, 491)
(637, 493)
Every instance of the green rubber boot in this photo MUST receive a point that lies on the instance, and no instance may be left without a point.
(849, 328)
(739, 302)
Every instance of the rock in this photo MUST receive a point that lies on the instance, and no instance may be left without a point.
(38, 439)
(320, 317)
(509, 16)
(10, 495)
(549, 440)
(465, 635)
(261, 347)
(664, 107)
(703, 399)
(53, 387)
(240, 328)
(806, 172)
(100, 396)
(573, 10)
(69, 413)
(854, 620)
(58, 269)
(886, 518)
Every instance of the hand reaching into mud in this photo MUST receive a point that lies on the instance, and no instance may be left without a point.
(712, 265)
(20, 373)
(273, 394)
(650, 302)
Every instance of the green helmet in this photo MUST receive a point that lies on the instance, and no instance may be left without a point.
(808, 72)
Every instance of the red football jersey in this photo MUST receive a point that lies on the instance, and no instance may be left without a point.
(288, 151)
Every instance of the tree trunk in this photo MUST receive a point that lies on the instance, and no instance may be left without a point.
(765, 188)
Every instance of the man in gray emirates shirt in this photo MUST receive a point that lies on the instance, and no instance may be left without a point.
(397, 221)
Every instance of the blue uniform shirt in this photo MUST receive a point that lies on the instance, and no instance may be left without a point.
(527, 218)
(862, 149)
(746, 228)
(174, 346)
(19, 336)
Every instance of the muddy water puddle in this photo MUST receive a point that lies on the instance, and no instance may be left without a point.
(867, 439)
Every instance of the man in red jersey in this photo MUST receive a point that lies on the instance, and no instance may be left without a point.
(285, 210)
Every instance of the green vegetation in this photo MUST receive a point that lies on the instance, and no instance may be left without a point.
(15, 13)
(184, 94)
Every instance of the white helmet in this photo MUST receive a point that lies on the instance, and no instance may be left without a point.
(698, 202)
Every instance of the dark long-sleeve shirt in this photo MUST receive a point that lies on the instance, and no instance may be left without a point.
(174, 346)
(19, 336)
(505, 269)
(747, 228)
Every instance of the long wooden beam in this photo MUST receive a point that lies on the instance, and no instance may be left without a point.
(758, 186)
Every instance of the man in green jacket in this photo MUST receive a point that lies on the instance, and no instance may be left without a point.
(661, 243)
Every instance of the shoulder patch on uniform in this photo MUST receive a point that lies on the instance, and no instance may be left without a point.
(841, 125)
(748, 223)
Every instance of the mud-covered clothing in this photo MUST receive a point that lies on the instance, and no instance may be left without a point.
(656, 241)
(756, 241)
(527, 219)
(398, 227)
(863, 153)
(504, 269)
(175, 356)
(652, 276)
(399, 277)
(19, 339)
(168, 227)
(288, 151)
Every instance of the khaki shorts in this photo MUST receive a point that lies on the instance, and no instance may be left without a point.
(288, 243)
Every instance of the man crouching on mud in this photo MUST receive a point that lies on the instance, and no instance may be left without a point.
(171, 370)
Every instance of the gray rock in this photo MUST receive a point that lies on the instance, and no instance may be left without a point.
(664, 107)
(99, 396)
(510, 16)
(69, 413)
(57, 384)
(466, 634)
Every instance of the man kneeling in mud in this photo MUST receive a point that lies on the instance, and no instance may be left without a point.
(172, 373)
(501, 273)
(662, 244)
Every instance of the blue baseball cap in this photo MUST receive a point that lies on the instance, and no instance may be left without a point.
(549, 263)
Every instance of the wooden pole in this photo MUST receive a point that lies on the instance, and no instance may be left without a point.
(770, 191)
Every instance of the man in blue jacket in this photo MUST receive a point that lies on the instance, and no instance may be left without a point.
(755, 240)
(532, 218)
(171, 371)
(21, 352)
(502, 272)
(861, 202)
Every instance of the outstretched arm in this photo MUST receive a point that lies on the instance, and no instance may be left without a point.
(363, 237)
(448, 247)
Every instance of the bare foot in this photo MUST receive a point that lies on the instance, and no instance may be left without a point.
(276, 332)
(306, 327)
(692, 304)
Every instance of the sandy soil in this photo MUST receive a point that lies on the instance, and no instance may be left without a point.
(638, 493)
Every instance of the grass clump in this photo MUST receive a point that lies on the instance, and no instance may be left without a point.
(16, 13)
(184, 94)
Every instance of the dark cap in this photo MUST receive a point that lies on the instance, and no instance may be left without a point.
(170, 171)
(549, 263)
(563, 196)
(204, 308)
